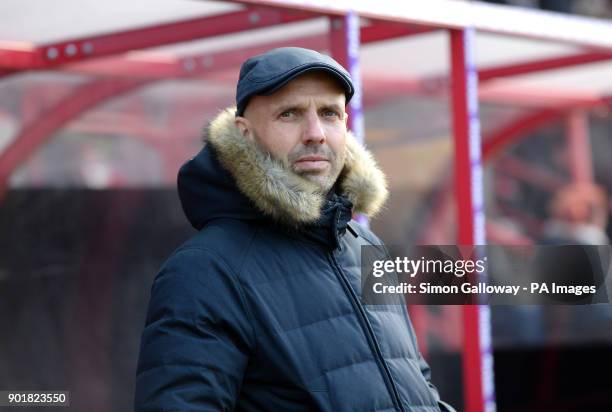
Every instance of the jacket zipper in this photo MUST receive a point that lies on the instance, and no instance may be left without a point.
(369, 333)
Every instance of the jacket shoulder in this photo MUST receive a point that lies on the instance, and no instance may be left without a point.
(228, 239)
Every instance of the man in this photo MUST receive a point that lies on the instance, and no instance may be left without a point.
(261, 310)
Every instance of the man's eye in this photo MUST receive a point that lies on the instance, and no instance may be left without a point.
(330, 113)
(286, 114)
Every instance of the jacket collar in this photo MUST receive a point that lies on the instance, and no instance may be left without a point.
(286, 197)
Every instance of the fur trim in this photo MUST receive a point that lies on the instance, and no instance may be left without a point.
(285, 196)
(362, 181)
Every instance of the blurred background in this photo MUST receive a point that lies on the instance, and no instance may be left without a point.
(101, 102)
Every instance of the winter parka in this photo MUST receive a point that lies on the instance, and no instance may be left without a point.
(261, 310)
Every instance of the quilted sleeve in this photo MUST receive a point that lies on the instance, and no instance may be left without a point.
(197, 337)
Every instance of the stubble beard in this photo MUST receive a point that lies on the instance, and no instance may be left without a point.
(324, 182)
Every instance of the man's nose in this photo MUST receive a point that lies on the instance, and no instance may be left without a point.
(313, 129)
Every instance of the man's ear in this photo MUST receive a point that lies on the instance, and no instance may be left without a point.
(346, 119)
(243, 124)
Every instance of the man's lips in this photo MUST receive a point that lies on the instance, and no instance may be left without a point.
(312, 163)
(312, 159)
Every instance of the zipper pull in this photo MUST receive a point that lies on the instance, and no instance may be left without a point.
(350, 229)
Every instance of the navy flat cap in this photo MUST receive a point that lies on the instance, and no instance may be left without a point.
(266, 73)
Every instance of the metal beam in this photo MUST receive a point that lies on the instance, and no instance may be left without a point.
(486, 74)
(478, 383)
(490, 73)
(200, 64)
(381, 87)
(191, 65)
(79, 49)
(458, 14)
(378, 30)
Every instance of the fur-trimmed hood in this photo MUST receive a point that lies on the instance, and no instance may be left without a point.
(266, 183)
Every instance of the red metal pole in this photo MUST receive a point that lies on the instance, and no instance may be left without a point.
(579, 146)
(345, 43)
(477, 358)
(462, 169)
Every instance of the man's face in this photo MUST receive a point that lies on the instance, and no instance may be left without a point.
(303, 125)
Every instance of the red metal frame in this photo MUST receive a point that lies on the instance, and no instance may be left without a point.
(491, 73)
(378, 30)
(74, 53)
(187, 66)
(473, 368)
(490, 18)
(463, 180)
(438, 84)
(79, 49)
(33, 135)
(460, 121)
(201, 64)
